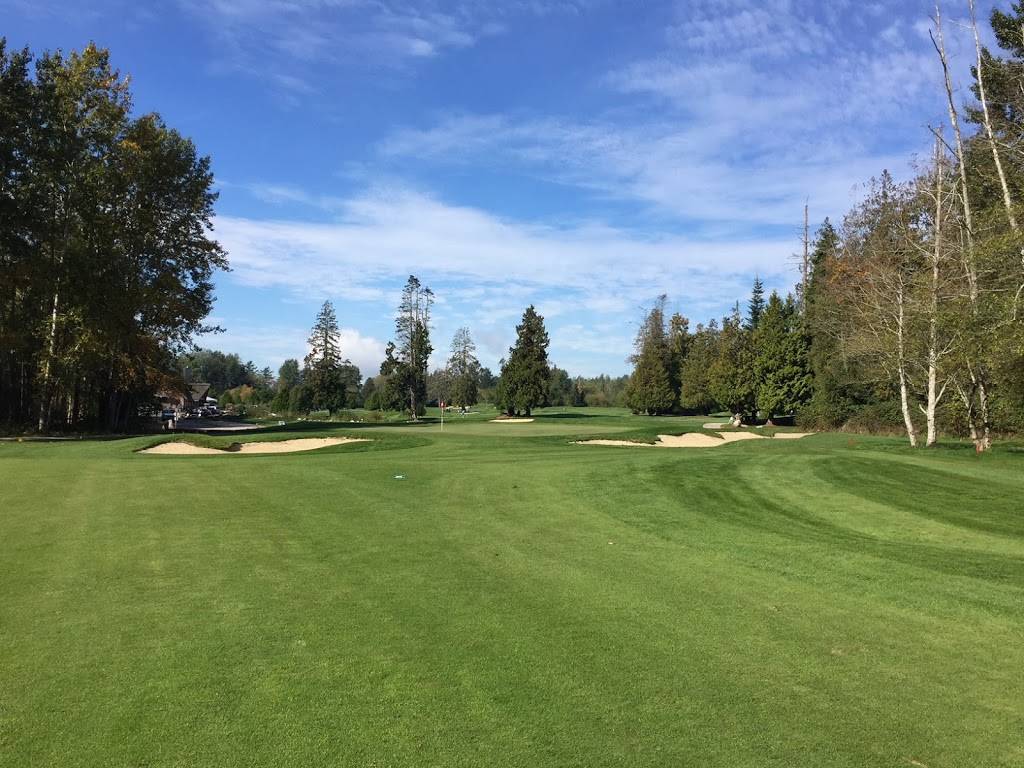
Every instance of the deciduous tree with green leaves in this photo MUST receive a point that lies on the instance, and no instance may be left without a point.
(106, 260)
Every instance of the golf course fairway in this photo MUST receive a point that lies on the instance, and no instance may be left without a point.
(498, 595)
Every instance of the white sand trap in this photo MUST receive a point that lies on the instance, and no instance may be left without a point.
(792, 435)
(692, 440)
(715, 425)
(511, 421)
(282, 446)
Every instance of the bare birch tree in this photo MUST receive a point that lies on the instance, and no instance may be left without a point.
(938, 245)
(879, 279)
(975, 385)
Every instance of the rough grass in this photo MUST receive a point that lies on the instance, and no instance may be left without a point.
(515, 600)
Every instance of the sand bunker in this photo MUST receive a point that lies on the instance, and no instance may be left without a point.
(511, 421)
(692, 440)
(282, 446)
(793, 435)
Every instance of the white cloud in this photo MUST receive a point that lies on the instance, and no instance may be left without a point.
(486, 269)
(386, 234)
(747, 111)
(286, 43)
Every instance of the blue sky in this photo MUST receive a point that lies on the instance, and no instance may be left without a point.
(581, 155)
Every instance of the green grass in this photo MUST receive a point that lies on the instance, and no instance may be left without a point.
(515, 600)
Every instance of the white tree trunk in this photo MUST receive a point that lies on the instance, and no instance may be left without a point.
(933, 299)
(970, 269)
(987, 121)
(51, 349)
(901, 365)
(986, 421)
(967, 395)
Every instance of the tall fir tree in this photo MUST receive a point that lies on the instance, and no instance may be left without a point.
(525, 374)
(731, 376)
(324, 385)
(781, 367)
(695, 384)
(755, 307)
(650, 389)
(405, 364)
(678, 348)
(464, 369)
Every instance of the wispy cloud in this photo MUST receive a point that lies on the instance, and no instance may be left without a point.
(486, 268)
(747, 111)
(286, 42)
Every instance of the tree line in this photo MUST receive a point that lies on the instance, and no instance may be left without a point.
(327, 381)
(757, 363)
(909, 314)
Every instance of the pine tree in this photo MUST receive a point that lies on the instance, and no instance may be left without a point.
(755, 308)
(678, 348)
(650, 388)
(731, 376)
(405, 364)
(834, 396)
(781, 367)
(288, 374)
(464, 369)
(324, 386)
(695, 384)
(525, 374)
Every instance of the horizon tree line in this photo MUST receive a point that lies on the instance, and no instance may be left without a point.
(908, 314)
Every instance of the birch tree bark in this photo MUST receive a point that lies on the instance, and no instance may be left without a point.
(973, 356)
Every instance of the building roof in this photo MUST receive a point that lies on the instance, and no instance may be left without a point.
(198, 392)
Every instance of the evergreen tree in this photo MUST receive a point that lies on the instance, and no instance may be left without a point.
(834, 397)
(464, 369)
(524, 375)
(323, 379)
(731, 377)
(650, 388)
(755, 308)
(369, 395)
(405, 363)
(560, 388)
(288, 374)
(695, 383)
(678, 347)
(781, 367)
(298, 400)
(282, 400)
